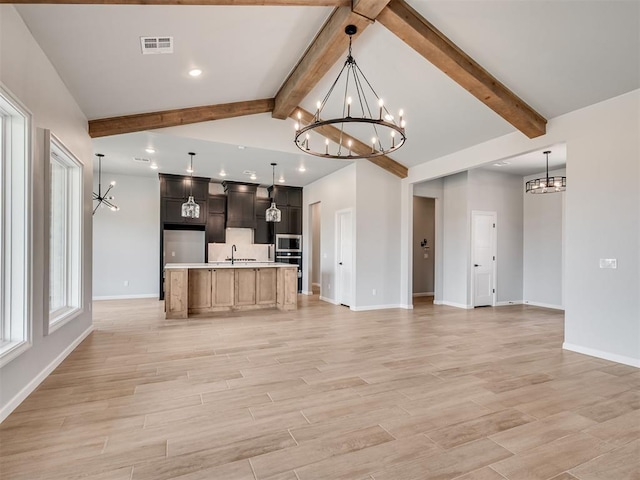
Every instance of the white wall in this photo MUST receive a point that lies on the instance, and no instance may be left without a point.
(126, 243)
(602, 307)
(28, 74)
(456, 238)
(424, 225)
(336, 192)
(543, 260)
(314, 211)
(502, 193)
(377, 239)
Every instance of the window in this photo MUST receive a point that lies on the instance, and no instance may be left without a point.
(65, 234)
(15, 240)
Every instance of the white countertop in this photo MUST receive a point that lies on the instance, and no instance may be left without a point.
(228, 265)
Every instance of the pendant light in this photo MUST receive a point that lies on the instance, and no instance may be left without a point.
(547, 184)
(104, 200)
(190, 209)
(273, 214)
(363, 114)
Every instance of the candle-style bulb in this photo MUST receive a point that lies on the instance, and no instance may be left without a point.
(348, 106)
(297, 126)
(381, 104)
(349, 143)
(319, 105)
(401, 114)
(326, 146)
(373, 144)
(393, 138)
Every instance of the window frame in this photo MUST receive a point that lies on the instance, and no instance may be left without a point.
(16, 245)
(74, 235)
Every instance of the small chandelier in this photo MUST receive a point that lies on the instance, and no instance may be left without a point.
(103, 200)
(190, 209)
(272, 213)
(357, 121)
(547, 184)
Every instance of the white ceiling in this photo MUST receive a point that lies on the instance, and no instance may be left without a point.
(530, 163)
(558, 56)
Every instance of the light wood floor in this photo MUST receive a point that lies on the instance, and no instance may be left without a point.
(326, 393)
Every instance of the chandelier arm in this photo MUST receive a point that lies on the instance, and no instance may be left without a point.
(96, 208)
(107, 192)
(326, 97)
(96, 196)
(361, 92)
(109, 204)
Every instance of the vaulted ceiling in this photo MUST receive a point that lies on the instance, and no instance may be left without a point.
(523, 61)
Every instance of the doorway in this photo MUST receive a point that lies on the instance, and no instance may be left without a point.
(483, 258)
(315, 271)
(424, 242)
(344, 257)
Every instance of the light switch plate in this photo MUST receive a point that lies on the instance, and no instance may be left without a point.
(608, 263)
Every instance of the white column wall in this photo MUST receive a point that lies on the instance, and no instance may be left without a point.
(377, 237)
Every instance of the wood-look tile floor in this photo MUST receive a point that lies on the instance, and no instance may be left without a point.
(326, 393)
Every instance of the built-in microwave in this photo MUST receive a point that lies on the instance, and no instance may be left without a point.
(288, 243)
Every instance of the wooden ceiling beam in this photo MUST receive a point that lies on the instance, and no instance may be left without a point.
(181, 116)
(369, 8)
(330, 44)
(286, 3)
(334, 134)
(433, 45)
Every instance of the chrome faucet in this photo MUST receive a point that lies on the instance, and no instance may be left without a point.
(233, 249)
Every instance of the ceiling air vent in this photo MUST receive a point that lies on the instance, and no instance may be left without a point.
(141, 160)
(153, 45)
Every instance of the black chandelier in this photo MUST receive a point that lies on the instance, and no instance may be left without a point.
(358, 120)
(547, 184)
(103, 200)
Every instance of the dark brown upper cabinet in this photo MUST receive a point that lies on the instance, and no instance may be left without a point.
(289, 201)
(174, 190)
(216, 220)
(264, 229)
(241, 205)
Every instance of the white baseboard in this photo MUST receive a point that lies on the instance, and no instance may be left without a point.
(375, 307)
(306, 292)
(406, 307)
(315, 285)
(543, 305)
(33, 384)
(328, 300)
(508, 302)
(424, 294)
(127, 297)
(592, 352)
(453, 304)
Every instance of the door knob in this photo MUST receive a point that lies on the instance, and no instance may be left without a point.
(476, 265)
(340, 263)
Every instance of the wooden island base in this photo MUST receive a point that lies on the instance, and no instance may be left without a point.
(203, 288)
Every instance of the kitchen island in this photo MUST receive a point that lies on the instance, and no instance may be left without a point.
(200, 288)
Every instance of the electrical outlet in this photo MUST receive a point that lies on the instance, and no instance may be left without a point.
(426, 255)
(173, 254)
(608, 263)
(126, 283)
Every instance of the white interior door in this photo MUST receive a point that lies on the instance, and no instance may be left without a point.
(344, 250)
(483, 257)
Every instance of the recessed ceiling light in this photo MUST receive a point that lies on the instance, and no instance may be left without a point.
(222, 173)
(153, 166)
(241, 147)
(301, 168)
(195, 72)
(253, 177)
(281, 180)
(149, 150)
(189, 170)
(501, 163)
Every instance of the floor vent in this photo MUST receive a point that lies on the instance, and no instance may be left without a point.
(154, 45)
